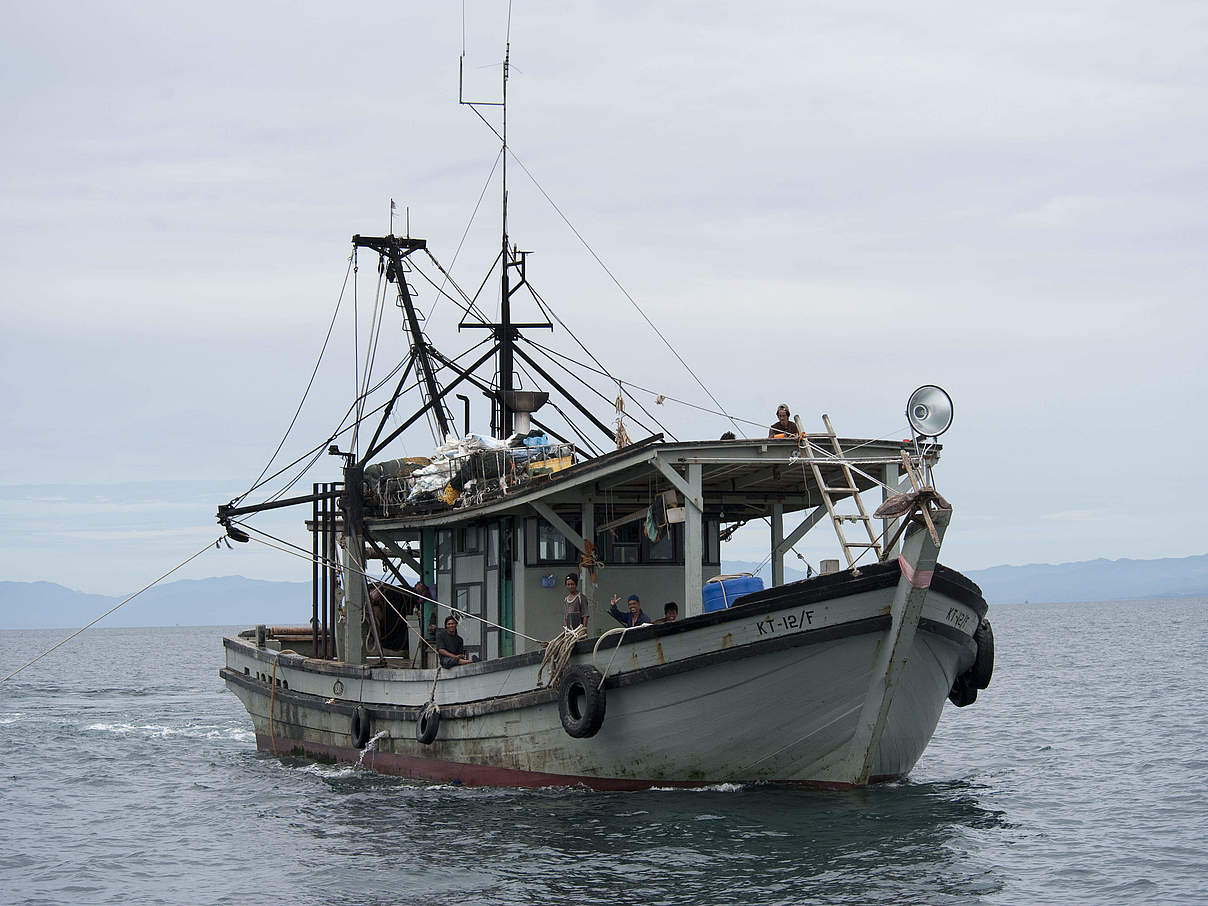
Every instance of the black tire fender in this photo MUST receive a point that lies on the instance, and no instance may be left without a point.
(963, 692)
(427, 725)
(983, 666)
(360, 727)
(581, 701)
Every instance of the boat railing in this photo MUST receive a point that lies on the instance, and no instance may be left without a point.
(468, 478)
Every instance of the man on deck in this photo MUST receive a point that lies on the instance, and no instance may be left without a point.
(635, 616)
(450, 647)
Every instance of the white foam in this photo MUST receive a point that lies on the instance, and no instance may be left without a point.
(196, 731)
(714, 788)
(327, 771)
(10, 719)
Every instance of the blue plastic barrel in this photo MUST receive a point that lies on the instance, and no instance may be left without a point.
(722, 591)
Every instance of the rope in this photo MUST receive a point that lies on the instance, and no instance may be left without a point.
(558, 653)
(432, 707)
(209, 544)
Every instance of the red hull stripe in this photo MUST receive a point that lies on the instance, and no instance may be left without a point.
(920, 579)
(433, 769)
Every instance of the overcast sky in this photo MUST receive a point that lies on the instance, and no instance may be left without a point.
(828, 204)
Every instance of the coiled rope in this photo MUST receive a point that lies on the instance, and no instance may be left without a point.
(558, 653)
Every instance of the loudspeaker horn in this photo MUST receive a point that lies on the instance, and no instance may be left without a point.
(929, 411)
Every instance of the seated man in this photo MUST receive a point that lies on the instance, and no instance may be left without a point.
(670, 613)
(450, 647)
(784, 426)
(635, 617)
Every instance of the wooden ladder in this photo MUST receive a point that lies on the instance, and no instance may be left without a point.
(849, 490)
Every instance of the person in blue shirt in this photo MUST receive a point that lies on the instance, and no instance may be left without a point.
(635, 616)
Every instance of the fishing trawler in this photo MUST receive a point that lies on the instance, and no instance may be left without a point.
(837, 680)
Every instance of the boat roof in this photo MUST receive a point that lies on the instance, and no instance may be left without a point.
(743, 478)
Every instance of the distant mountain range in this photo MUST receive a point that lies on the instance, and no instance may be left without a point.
(224, 601)
(234, 600)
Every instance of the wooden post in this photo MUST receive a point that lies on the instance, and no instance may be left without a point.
(889, 526)
(777, 544)
(693, 543)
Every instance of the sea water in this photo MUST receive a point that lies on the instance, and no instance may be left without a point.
(129, 775)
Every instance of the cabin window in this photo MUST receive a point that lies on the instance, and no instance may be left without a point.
(663, 550)
(624, 544)
(444, 550)
(468, 599)
(469, 539)
(493, 545)
(547, 543)
(711, 546)
(551, 546)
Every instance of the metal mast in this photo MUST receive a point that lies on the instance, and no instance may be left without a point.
(504, 333)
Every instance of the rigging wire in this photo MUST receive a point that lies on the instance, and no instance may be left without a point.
(306, 392)
(467, 307)
(610, 402)
(340, 430)
(629, 384)
(356, 344)
(466, 232)
(185, 562)
(379, 298)
(294, 550)
(619, 286)
(565, 418)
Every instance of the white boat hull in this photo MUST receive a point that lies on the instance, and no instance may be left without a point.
(769, 691)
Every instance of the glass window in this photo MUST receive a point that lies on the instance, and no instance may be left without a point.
(663, 550)
(624, 544)
(493, 545)
(711, 548)
(469, 539)
(444, 550)
(546, 544)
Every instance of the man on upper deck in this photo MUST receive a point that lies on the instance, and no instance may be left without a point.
(784, 426)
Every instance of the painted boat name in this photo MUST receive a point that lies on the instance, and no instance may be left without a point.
(789, 622)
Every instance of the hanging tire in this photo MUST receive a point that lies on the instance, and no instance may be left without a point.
(983, 666)
(964, 690)
(581, 701)
(428, 725)
(360, 728)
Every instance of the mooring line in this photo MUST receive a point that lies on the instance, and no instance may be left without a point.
(209, 544)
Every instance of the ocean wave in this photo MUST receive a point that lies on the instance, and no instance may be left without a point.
(10, 719)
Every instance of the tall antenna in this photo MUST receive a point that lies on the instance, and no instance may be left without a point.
(505, 330)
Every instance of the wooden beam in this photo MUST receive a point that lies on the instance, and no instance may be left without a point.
(679, 483)
(799, 532)
(546, 513)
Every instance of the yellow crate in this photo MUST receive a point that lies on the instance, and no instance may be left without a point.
(551, 465)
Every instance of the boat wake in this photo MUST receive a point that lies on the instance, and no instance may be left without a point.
(157, 731)
(713, 788)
